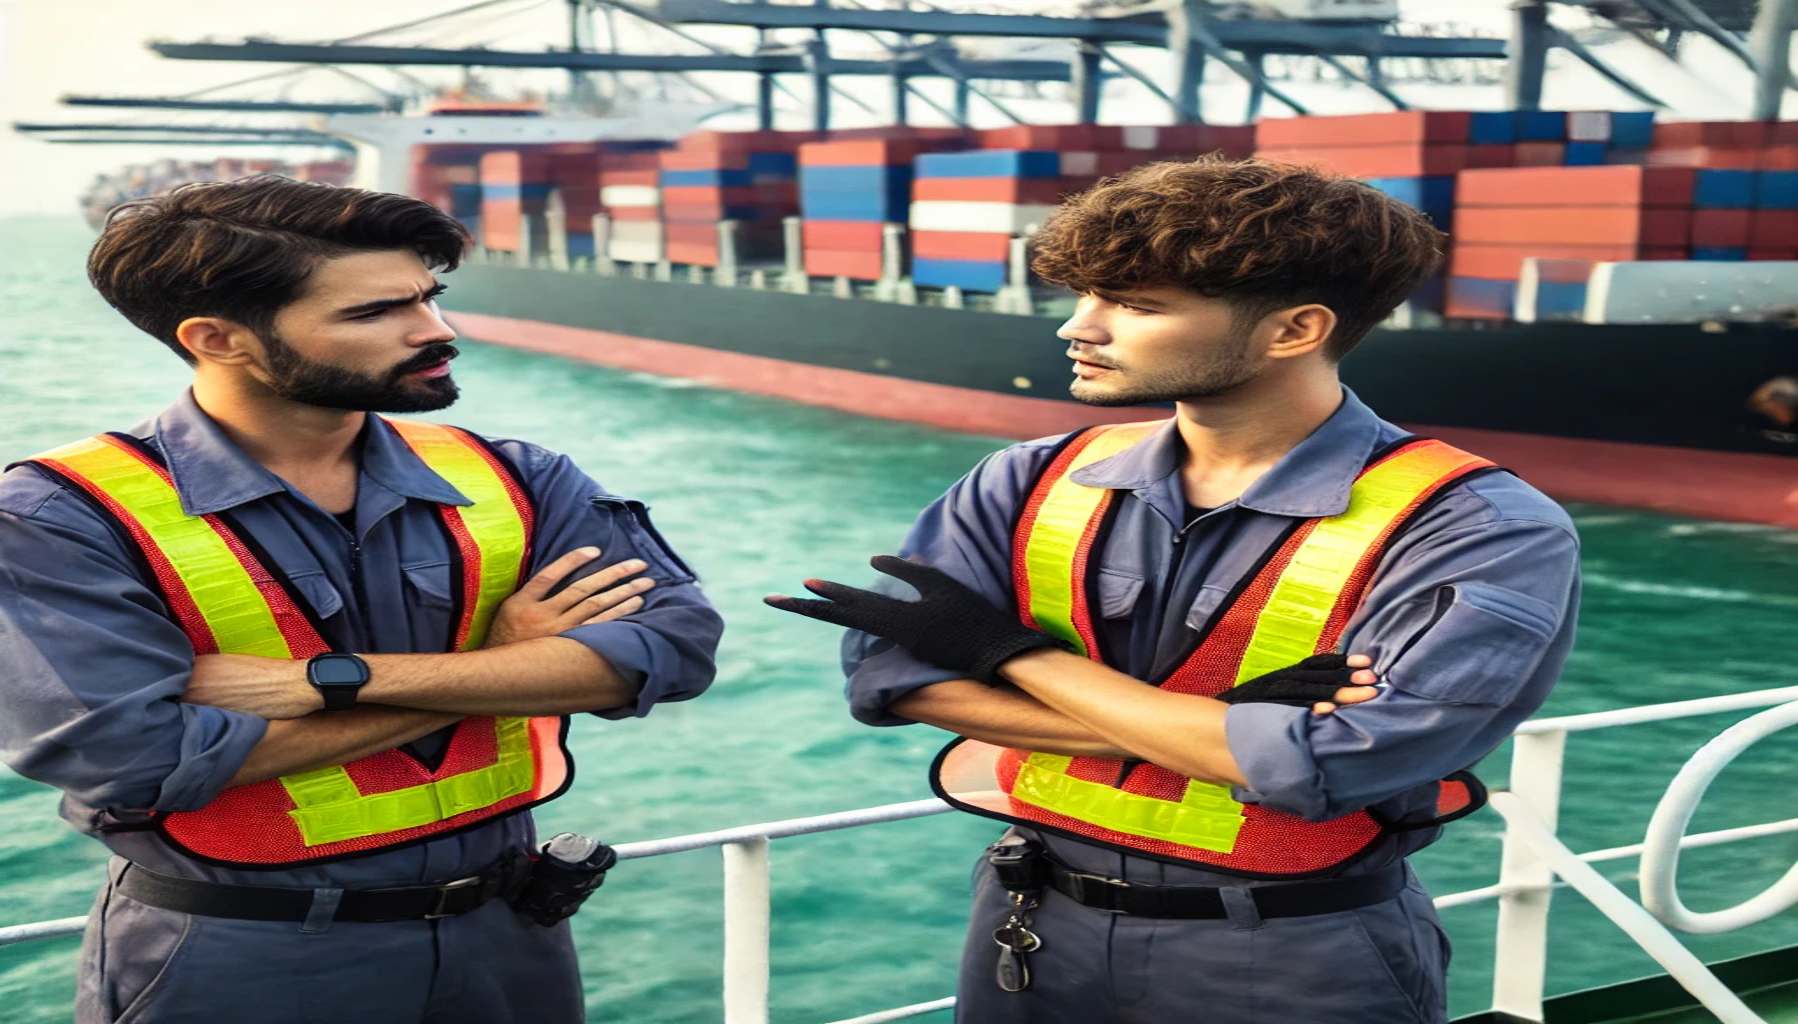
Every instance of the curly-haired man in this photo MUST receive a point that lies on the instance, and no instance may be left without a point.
(1229, 843)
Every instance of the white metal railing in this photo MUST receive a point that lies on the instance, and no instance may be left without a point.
(1533, 857)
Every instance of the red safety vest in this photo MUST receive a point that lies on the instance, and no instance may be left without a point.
(228, 600)
(1295, 605)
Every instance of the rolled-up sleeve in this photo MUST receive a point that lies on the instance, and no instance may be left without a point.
(966, 533)
(1468, 628)
(667, 648)
(92, 671)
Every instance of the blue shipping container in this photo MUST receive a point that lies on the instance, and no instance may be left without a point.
(892, 205)
(1560, 300)
(515, 191)
(990, 163)
(1492, 127)
(1541, 125)
(854, 179)
(465, 199)
(1479, 294)
(1724, 190)
(1632, 130)
(764, 166)
(968, 275)
(1585, 154)
(580, 244)
(716, 179)
(1776, 190)
(1719, 252)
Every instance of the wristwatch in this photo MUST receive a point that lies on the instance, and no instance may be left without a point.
(337, 677)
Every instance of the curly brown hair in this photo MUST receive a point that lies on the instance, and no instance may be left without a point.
(243, 249)
(1260, 235)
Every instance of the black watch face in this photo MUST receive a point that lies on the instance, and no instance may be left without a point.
(337, 672)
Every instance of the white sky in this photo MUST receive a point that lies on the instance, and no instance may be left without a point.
(52, 47)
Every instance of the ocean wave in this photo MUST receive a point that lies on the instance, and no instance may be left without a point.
(1692, 593)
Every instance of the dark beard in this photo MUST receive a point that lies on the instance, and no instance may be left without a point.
(1223, 372)
(298, 379)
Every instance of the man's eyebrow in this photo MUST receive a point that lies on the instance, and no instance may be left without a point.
(1143, 301)
(379, 304)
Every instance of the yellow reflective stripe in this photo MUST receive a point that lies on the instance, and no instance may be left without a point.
(1292, 623)
(493, 521)
(1061, 522)
(1205, 817)
(330, 809)
(222, 590)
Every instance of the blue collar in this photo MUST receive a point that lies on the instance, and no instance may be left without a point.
(213, 474)
(1309, 482)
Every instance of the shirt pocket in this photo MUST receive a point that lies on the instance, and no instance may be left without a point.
(428, 585)
(1204, 607)
(1480, 646)
(630, 519)
(1118, 592)
(318, 593)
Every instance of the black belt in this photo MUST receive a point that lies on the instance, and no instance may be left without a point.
(268, 903)
(1204, 902)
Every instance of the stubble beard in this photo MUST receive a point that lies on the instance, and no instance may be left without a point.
(1217, 373)
(328, 386)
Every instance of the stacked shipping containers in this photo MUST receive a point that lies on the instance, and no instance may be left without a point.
(967, 207)
(749, 177)
(1598, 214)
(630, 192)
(847, 192)
(514, 185)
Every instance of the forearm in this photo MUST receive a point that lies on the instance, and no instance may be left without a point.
(533, 678)
(1004, 716)
(295, 745)
(1180, 732)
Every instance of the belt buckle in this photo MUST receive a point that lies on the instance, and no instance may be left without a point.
(1082, 879)
(441, 910)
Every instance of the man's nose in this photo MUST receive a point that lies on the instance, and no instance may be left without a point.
(1083, 329)
(434, 329)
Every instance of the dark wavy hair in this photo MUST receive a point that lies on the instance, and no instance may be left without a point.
(1262, 236)
(241, 250)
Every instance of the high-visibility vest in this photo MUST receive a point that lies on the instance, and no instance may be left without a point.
(1294, 605)
(229, 599)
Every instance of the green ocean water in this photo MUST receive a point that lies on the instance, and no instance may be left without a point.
(757, 493)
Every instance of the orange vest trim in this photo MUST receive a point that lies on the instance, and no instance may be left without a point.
(228, 599)
(1297, 603)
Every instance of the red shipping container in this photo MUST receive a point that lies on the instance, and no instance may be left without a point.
(1051, 136)
(1505, 262)
(649, 177)
(1780, 157)
(898, 131)
(1665, 252)
(690, 233)
(736, 196)
(636, 213)
(1773, 254)
(1539, 154)
(514, 167)
(627, 162)
(842, 235)
(1572, 225)
(1391, 161)
(693, 252)
(863, 266)
(1408, 127)
(870, 153)
(1236, 141)
(993, 190)
(1736, 157)
(1721, 227)
(742, 143)
(1773, 229)
(702, 160)
(960, 245)
(1470, 305)
(574, 168)
(1728, 134)
(1489, 154)
(1618, 185)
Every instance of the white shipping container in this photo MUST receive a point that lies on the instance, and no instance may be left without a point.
(1141, 136)
(983, 217)
(1589, 126)
(1691, 291)
(637, 231)
(630, 195)
(1079, 164)
(635, 252)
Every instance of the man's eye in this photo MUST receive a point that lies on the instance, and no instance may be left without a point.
(375, 315)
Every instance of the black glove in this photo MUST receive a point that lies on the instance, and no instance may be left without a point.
(949, 626)
(1315, 679)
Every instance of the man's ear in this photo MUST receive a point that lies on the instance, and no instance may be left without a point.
(212, 339)
(1299, 330)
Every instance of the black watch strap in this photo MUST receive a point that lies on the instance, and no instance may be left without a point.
(338, 677)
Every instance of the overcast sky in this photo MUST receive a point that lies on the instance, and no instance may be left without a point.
(52, 47)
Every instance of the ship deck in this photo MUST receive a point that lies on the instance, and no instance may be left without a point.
(1767, 982)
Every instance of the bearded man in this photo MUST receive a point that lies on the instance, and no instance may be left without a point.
(304, 670)
(1227, 844)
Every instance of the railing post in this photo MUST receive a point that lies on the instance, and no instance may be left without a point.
(1520, 967)
(746, 912)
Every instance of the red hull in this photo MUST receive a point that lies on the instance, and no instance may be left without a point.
(1682, 481)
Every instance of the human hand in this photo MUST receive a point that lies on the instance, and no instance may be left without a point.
(533, 612)
(1322, 682)
(271, 688)
(950, 625)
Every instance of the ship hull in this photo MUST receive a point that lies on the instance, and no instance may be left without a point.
(1648, 417)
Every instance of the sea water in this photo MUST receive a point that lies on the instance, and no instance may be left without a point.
(756, 494)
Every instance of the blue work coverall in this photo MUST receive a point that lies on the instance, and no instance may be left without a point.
(1469, 618)
(94, 670)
